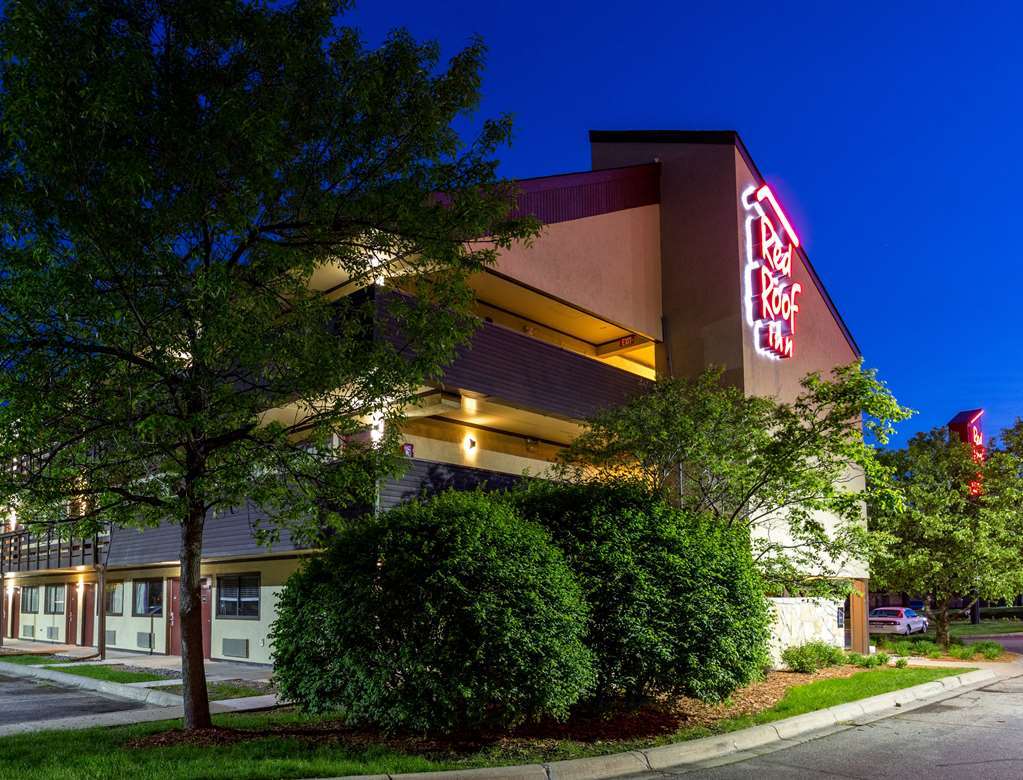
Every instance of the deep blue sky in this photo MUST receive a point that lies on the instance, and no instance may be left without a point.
(892, 136)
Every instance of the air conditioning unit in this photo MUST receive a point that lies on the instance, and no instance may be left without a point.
(111, 637)
(52, 632)
(236, 648)
(144, 640)
(29, 631)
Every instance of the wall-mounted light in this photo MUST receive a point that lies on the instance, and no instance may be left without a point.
(376, 429)
(469, 444)
(470, 405)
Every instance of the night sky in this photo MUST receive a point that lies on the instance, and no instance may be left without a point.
(890, 135)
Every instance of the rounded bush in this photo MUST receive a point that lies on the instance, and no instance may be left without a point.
(447, 614)
(676, 605)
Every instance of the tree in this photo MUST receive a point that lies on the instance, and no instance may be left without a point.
(174, 179)
(947, 541)
(777, 469)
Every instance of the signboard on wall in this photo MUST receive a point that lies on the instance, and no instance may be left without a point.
(968, 427)
(772, 295)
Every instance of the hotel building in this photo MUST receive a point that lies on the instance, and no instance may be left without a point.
(670, 255)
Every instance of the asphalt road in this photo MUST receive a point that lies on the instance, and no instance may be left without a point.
(975, 735)
(23, 700)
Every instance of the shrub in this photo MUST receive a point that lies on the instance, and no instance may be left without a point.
(962, 652)
(926, 647)
(676, 605)
(1001, 613)
(990, 650)
(450, 613)
(812, 656)
(902, 647)
(867, 661)
(934, 654)
(902, 663)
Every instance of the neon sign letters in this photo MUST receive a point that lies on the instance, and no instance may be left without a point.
(771, 305)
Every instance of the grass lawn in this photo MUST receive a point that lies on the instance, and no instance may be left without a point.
(225, 689)
(293, 752)
(29, 660)
(985, 627)
(111, 673)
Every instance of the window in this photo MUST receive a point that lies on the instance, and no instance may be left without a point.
(148, 598)
(55, 599)
(238, 596)
(115, 599)
(30, 599)
(909, 613)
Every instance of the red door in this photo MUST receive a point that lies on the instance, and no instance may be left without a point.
(88, 616)
(71, 616)
(174, 617)
(173, 613)
(15, 612)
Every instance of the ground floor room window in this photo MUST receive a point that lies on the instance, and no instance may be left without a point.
(55, 599)
(115, 598)
(30, 599)
(148, 598)
(238, 596)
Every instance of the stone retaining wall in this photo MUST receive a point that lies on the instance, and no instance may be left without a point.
(800, 620)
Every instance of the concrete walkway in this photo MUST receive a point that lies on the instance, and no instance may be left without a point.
(215, 670)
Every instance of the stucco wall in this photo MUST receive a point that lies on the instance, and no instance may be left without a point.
(273, 573)
(797, 621)
(608, 265)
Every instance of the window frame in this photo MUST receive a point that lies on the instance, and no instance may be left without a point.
(48, 589)
(108, 612)
(21, 598)
(148, 581)
(238, 600)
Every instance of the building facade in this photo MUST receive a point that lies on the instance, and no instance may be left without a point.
(670, 255)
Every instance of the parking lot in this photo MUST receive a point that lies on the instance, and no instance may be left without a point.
(23, 700)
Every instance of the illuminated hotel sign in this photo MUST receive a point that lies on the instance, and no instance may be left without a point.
(968, 427)
(771, 305)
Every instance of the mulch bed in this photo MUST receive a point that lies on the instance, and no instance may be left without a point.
(648, 721)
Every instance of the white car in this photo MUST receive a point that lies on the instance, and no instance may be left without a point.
(896, 620)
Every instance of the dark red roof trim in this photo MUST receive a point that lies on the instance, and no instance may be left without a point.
(577, 195)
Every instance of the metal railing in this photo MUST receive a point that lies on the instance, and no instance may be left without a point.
(23, 550)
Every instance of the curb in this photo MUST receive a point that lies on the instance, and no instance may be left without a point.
(121, 690)
(707, 748)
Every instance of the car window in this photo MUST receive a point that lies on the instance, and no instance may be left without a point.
(910, 613)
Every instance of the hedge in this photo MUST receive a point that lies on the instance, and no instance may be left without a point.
(676, 605)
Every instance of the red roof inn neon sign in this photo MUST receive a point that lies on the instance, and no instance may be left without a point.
(771, 307)
(968, 427)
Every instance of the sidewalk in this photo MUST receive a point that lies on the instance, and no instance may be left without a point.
(215, 670)
(1002, 669)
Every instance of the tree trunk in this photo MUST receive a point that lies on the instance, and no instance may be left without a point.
(193, 673)
(941, 624)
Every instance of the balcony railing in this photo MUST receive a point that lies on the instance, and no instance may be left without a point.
(23, 550)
